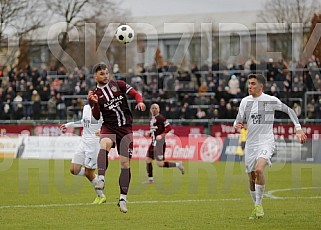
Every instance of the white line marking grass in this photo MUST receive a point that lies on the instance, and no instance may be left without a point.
(113, 203)
(269, 194)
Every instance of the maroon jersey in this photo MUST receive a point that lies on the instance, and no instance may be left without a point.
(158, 125)
(113, 103)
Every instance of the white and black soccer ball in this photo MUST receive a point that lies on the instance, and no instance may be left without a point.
(124, 34)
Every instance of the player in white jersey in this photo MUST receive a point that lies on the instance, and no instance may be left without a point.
(257, 111)
(84, 161)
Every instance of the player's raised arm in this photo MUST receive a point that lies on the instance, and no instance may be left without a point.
(93, 102)
(72, 124)
(162, 135)
(139, 99)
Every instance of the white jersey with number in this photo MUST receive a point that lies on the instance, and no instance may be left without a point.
(258, 113)
(90, 125)
(89, 147)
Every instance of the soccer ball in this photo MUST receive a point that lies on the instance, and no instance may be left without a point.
(124, 34)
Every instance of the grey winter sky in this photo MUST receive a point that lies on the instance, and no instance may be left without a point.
(169, 7)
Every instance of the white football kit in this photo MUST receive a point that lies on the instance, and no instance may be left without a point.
(258, 113)
(89, 147)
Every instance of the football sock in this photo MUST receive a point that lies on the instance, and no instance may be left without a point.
(99, 192)
(102, 161)
(123, 196)
(259, 193)
(124, 180)
(170, 164)
(253, 195)
(149, 167)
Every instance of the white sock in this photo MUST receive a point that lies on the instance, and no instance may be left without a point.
(253, 195)
(99, 192)
(81, 172)
(150, 178)
(177, 164)
(259, 193)
(123, 196)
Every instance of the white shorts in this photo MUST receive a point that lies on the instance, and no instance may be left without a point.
(252, 154)
(87, 155)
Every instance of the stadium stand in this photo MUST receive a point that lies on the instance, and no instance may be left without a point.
(211, 92)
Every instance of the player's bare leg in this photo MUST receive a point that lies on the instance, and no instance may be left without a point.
(79, 170)
(159, 153)
(93, 178)
(168, 164)
(252, 192)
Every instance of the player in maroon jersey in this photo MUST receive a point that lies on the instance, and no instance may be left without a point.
(109, 99)
(159, 126)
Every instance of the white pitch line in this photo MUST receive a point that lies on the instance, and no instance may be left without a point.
(111, 203)
(269, 194)
(43, 205)
(182, 201)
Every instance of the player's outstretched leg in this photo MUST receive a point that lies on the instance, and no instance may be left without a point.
(102, 162)
(124, 181)
(181, 168)
(258, 203)
(168, 164)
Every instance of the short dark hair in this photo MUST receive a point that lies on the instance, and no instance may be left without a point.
(259, 77)
(99, 66)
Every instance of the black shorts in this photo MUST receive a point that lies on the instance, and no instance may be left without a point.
(157, 152)
(122, 136)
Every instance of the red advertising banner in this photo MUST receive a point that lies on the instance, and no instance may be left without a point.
(15, 129)
(51, 130)
(181, 131)
(192, 148)
(281, 131)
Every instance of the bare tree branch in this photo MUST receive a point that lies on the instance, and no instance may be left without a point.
(24, 17)
(77, 13)
(288, 12)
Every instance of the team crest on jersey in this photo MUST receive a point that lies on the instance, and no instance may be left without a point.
(114, 88)
(256, 118)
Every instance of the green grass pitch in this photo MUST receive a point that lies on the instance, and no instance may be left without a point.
(42, 194)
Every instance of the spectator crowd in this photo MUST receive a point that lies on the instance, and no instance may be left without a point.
(199, 92)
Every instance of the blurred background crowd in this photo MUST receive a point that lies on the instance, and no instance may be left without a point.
(199, 92)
